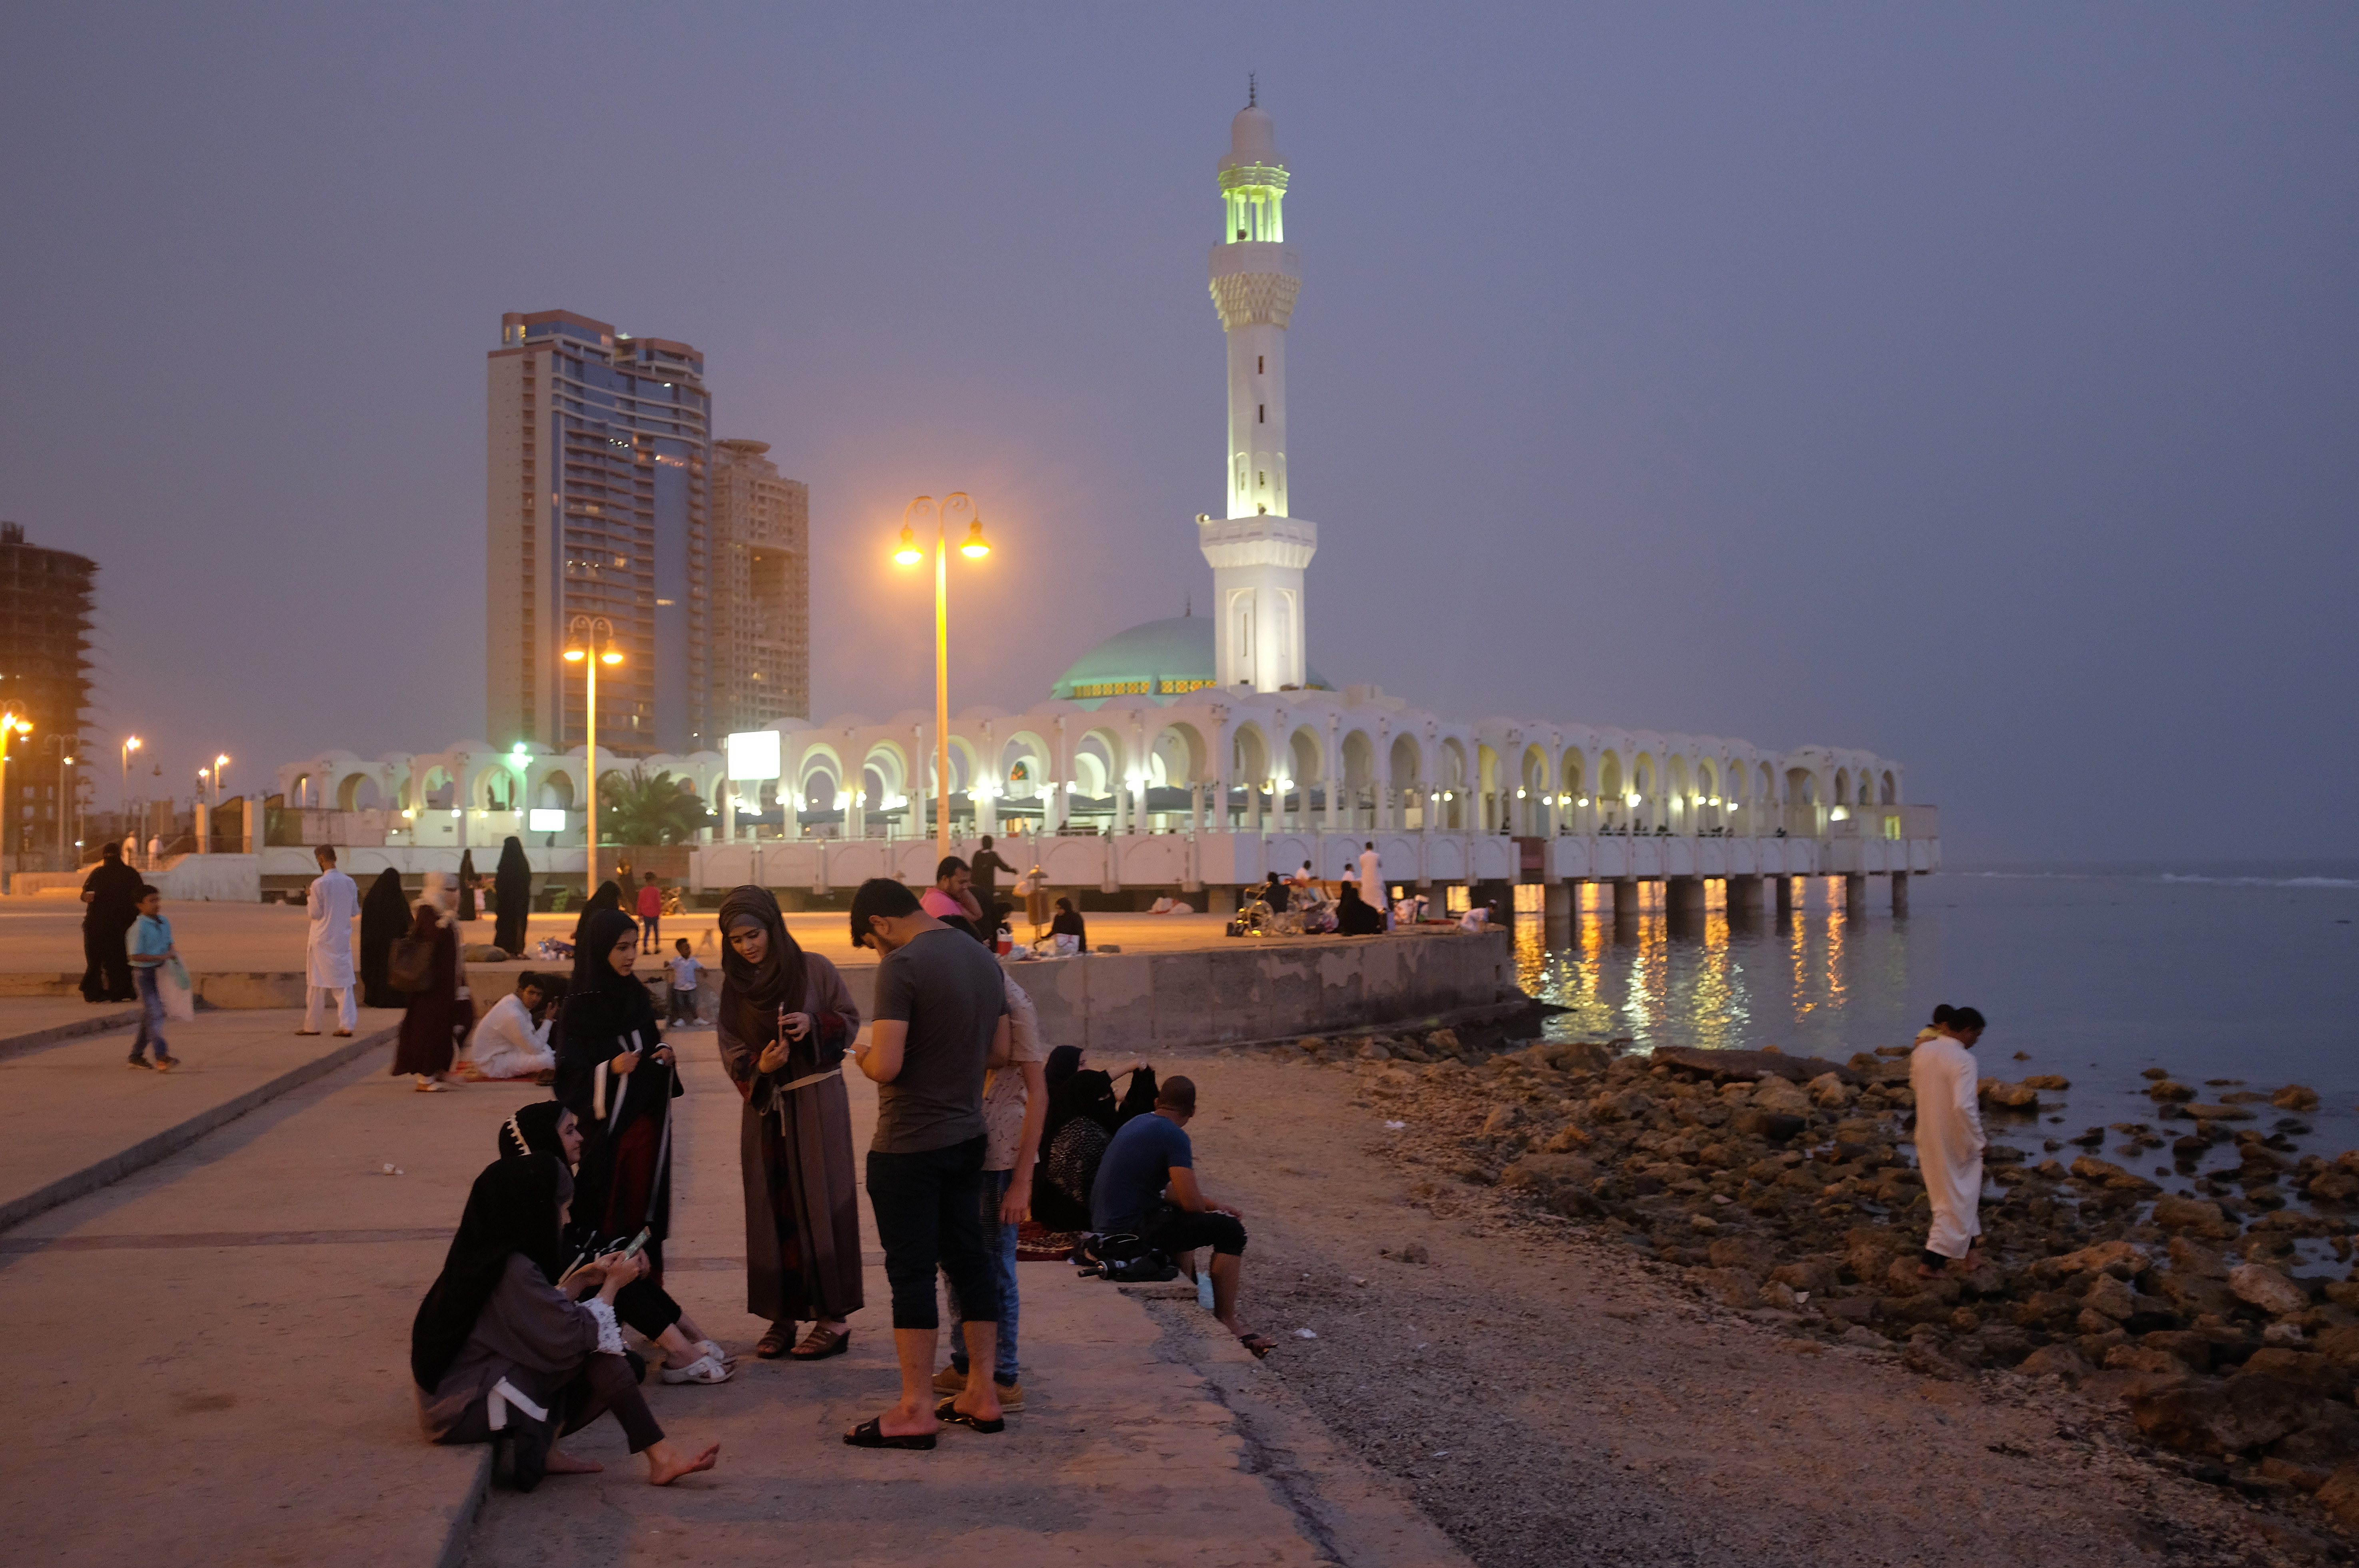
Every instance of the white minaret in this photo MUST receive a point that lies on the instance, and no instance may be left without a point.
(1257, 551)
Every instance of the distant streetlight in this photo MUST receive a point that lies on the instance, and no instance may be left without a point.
(11, 727)
(129, 746)
(591, 639)
(65, 744)
(975, 548)
(220, 765)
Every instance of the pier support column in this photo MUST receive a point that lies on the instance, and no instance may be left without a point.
(1560, 902)
(1900, 892)
(1854, 895)
(1785, 885)
(1683, 901)
(1625, 898)
(1500, 895)
(1744, 900)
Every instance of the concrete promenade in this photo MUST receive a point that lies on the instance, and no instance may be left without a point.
(221, 1368)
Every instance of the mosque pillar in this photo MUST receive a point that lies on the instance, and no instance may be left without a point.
(729, 816)
(1334, 803)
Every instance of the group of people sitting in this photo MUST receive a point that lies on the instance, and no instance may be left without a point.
(561, 1246)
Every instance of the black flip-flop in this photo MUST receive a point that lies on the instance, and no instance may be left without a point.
(949, 1412)
(871, 1434)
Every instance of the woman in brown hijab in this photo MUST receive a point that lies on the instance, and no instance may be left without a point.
(785, 1021)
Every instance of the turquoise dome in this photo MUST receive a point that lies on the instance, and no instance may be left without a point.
(1161, 660)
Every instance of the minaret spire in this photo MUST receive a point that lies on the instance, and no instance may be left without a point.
(1258, 551)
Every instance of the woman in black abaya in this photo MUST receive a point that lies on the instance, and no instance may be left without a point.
(384, 919)
(511, 898)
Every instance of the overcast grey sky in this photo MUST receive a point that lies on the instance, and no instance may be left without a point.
(1975, 384)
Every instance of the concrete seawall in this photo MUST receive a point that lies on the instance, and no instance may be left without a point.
(1226, 993)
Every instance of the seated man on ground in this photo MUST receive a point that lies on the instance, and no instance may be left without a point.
(512, 1041)
(1147, 1187)
(508, 1341)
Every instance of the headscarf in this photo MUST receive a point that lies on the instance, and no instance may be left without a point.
(1063, 1063)
(435, 901)
(533, 1130)
(608, 897)
(593, 950)
(751, 994)
(512, 1208)
(1087, 1095)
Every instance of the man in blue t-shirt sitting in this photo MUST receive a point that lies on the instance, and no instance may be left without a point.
(1147, 1187)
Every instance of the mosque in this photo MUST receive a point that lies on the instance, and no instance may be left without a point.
(1196, 753)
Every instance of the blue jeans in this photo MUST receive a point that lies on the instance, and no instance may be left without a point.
(650, 933)
(151, 1014)
(994, 1189)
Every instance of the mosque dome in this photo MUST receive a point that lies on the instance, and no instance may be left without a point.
(1163, 659)
(1253, 138)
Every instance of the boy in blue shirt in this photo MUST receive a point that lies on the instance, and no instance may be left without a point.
(149, 946)
(1147, 1187)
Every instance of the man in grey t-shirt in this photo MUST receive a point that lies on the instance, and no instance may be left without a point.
(941, 1019)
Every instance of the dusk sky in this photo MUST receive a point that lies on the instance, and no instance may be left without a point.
(1977, 385)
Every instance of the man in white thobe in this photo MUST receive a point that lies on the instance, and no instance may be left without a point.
(332, 901)
(1950, 1138)
(1371, 882)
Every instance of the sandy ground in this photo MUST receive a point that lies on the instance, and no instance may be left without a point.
(1547, 1398)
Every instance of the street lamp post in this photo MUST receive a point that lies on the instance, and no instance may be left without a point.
(11, 725)
(975, 548)
(130, 744)
(220, 765)
(591, 639)
(66, 744)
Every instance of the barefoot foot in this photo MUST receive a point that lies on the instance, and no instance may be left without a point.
(666, 1463)
(564, 1463)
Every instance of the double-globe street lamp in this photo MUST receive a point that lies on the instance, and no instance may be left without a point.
(590, 642)
(975, 548)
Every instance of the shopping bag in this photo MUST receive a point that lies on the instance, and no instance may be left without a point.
(179, 994)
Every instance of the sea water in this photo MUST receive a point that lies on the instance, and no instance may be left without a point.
(2245, 972)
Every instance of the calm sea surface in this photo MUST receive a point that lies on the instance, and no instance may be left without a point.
(2242, 972)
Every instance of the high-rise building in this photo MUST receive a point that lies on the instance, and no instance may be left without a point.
(761, 591)
(595, 504)
(1258, 551)
(45, 603)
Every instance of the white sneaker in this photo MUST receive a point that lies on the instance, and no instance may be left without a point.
(704, 1369)
(712, 1348)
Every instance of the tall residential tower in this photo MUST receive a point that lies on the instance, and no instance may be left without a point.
(1257, 551)
(761, 591)
(595, 504)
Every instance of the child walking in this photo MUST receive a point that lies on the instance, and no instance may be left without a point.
(148, 944)
(684, 971)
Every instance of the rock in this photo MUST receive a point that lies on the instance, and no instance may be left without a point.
(2224, 1417)
(2307, 1368)
(1444, 1041)
(2193, 1215)
(2188, 1346)
(1584, 1056)
(1775, 1127)
(1924, 1358)
(1779, 1097)
(2137, 1358)
(2154, 1072)
(1756, 1064)
(2288, 1334)
(2111, 1298)
(1503, 1118)
(2266, 1289)
(2088, 1168)
(1998, 1091)
(2167, 1091)
(2056, 1360)
(1372, 1051)
(2340, 1496)
(1545, 1171)
(2220, 1113)
(2055, 1081)
(2294, 1098)
(1729, 1287)
(1829, 1092)
(2122, 1259)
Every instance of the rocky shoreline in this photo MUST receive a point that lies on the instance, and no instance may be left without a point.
(1783, 1188)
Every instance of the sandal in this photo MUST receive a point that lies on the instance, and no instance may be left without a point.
(870, 1433)
(773, 1344)
(821, 1343)
(1261, 1345)
(949, 1414)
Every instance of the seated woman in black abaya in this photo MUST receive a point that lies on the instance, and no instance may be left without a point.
(504, 1345)
(1084, 1117)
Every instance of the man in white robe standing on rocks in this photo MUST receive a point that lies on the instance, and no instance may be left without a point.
(1372, 884)
(333, 901)
(1950, 1137)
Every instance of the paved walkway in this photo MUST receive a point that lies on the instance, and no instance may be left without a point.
(73, 1116)
(222, 1360)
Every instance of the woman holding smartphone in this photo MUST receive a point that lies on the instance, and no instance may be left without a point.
(785, 1022)
(619, 1078)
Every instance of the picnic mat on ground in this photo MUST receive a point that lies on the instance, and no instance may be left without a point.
(1034, 1244)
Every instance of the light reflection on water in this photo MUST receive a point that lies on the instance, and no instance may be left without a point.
(2094, 975)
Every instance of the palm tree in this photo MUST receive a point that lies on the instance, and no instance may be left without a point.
(649, 809)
